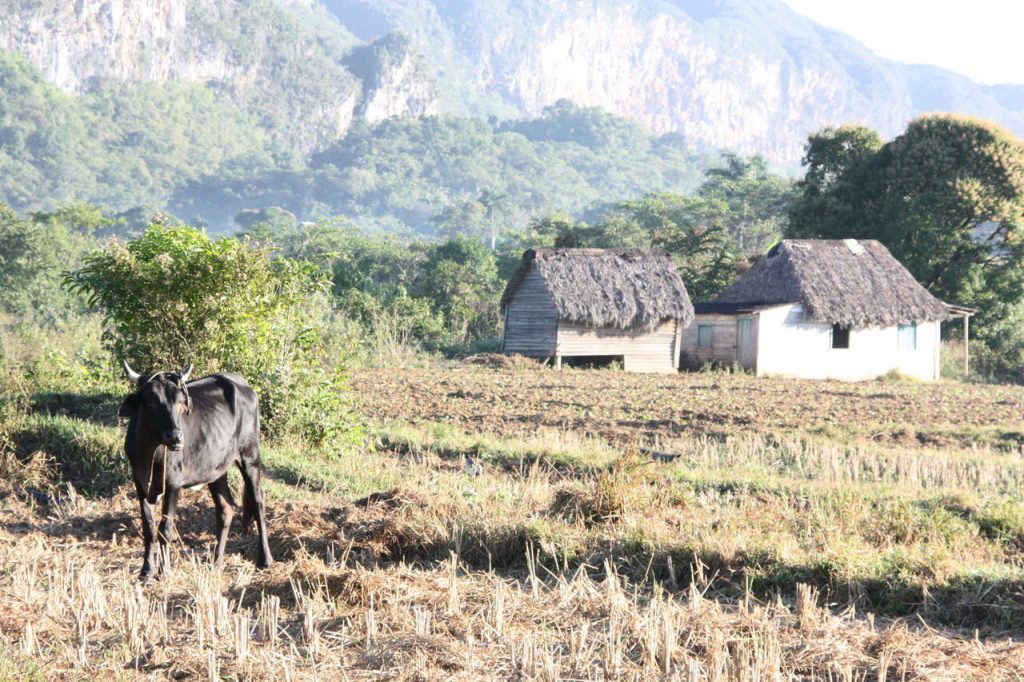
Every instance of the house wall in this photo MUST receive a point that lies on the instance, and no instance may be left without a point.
(723, 347)
(531, 319)
(653, 351)
(790, 346)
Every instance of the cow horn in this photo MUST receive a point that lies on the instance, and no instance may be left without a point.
(185, 372)
(132, 375)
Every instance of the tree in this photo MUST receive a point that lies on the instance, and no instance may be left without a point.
(464, 217)
(830, 152)
(591, 127)
(265, 219)
(373, 276)
(460, 276)
(689, 229)
(955, 198)
(750, 201)
(493, 203)
(558, 230)
(33, 253)
(836, 161)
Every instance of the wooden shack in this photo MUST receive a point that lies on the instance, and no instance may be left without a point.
(821, 309)
(624, 305)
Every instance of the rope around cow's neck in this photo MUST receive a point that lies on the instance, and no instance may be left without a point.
(163, 487)
(152, 464)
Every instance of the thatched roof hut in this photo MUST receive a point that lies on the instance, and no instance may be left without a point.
(853, 283)
(633, 289)
(822, 309)
(624, 303)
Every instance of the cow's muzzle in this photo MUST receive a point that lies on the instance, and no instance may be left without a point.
(173, 440)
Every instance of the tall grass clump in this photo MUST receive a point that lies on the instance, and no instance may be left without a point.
(58, 398)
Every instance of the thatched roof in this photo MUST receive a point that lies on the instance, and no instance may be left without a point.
(621, 288)
(842, 281)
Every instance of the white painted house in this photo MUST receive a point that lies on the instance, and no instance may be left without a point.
(821, 309)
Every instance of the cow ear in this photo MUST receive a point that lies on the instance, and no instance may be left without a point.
(130, 406)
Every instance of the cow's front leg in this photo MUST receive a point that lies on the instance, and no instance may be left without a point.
(225, 511)
(148, 533)
(171, 494)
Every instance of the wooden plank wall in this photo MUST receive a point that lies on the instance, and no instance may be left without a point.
(652, 351)
(723, 348)
(531, 319)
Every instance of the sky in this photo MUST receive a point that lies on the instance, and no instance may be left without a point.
(982, 39)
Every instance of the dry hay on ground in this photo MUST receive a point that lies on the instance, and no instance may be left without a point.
(334, 606)
(501, 361)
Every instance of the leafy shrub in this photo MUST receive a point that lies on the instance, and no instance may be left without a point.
(460, 276)
(393, 330)
(33, 251)
(174, 297)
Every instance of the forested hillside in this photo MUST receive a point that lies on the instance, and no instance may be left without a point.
(413, 116)
(450, 174)
(282, 62)
(138, 144)
(120, 145)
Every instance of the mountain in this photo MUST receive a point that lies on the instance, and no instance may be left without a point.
(165, 102)
(750, 75)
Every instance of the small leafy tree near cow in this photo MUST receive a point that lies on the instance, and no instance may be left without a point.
(174, 297)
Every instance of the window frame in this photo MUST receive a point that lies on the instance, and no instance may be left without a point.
(710, 329)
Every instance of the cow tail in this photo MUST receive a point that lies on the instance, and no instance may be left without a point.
(249, 508)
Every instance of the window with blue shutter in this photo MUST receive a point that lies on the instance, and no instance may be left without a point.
(906, 335)
(705, 335)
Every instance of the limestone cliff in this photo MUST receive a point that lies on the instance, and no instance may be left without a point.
(394, 81)
(75, 43)
(283, 60)
(750, 75)
(664, 70)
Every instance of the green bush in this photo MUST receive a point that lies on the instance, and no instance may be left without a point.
(174, 297)
(460, 277)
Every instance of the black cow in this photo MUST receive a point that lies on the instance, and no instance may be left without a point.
(185, 433)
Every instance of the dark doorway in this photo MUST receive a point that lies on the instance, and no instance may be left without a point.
(595, 361)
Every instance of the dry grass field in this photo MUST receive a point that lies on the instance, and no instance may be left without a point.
(803, 531)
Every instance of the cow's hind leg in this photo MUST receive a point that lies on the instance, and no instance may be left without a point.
(249, 506)
(225, 511)
(148, 533)
(249, 464)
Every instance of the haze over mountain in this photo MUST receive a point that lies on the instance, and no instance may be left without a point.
(282, 79)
